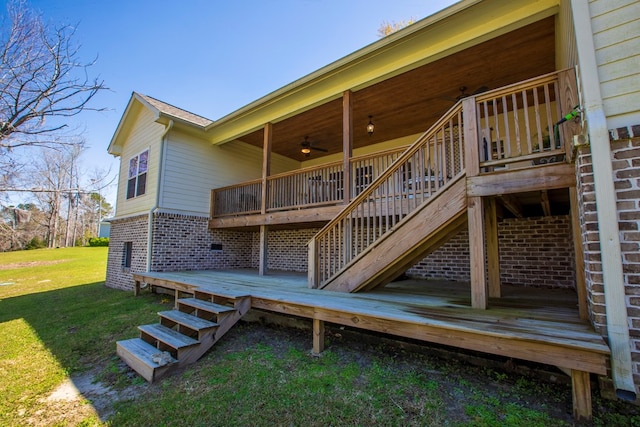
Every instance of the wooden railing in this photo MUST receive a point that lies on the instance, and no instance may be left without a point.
(314, 186)
(517, 124)
(303, 188)
(245, 198)
(436, 158)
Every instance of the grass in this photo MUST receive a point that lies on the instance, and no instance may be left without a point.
(59, 321)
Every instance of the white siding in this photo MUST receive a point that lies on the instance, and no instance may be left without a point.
(566, 51)
(616, 34)
(193, 167)
(145, 134)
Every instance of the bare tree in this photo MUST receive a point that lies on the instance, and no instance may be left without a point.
(42, 83)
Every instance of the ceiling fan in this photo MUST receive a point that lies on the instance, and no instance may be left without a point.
(463, 93)
(307, 147)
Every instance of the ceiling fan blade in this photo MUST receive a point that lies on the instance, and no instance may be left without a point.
(324, 150)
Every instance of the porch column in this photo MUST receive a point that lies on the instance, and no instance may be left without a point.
(266, 171)
(347, 142)
(347, 152)
(475, 209)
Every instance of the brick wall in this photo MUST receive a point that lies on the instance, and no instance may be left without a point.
(133, 230)
(288, 249)
(626, 176)
(533, 252)
(183, 242)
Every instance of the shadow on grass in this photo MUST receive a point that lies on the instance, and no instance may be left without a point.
(78, 325)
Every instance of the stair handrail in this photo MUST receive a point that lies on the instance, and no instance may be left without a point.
(434, 179)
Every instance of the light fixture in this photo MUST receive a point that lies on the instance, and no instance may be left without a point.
(306, 151)
(370, 126)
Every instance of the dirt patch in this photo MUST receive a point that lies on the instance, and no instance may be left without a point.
(29, 264)
(80, 398)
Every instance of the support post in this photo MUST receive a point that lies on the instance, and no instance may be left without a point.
(266, 164)
(266, 171)
(581, 393)
(475, 210)
(493, 248)
(318, 336)
(347, 143)
(264, 238)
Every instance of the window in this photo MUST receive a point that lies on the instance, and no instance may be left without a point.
(137, 181)
(128, 252)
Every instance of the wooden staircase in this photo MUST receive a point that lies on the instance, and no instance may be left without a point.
(417, 235)
(183, 334)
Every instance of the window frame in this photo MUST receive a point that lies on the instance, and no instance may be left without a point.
(137, 172)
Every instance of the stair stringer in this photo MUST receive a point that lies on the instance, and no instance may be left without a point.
(136, 353)
(438, 219)
(225, 321)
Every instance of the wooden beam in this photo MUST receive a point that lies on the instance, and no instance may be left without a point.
(512, 204)
(578, 251)
(318, 336)
(266, 163)
(302, 216)
(544, 200)
(493, 249)
(549, 177)
(347, 142)
(264, 250)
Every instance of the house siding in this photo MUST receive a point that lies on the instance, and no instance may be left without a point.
(193, 167)
(145, 134)
(614, 24)
(135, 230)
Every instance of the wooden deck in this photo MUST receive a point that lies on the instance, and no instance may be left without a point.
(538, 325)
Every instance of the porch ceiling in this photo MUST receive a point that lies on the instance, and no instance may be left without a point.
(410, 102)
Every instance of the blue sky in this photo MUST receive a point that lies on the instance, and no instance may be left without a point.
(211, 57)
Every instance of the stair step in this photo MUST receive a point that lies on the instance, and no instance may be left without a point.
(211, 307)
(168, 336)
(144, 358)
(191, 322)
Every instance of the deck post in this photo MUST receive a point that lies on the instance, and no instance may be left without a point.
(493, 248)
(475, 210)
(312, 269)
(264, 252)
(581, 393)
(318, 336)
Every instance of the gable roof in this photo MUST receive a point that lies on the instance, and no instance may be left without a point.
(163, 113)
(174, 112)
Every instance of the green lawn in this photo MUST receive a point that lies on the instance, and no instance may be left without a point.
(59, 322)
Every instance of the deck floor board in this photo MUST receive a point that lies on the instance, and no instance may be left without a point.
(542, 320)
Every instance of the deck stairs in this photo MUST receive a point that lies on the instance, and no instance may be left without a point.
(417, 235)
(183, 334)
(411, 209)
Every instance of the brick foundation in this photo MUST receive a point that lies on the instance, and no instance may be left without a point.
(135, 230)
(626, 176)
(533, 252)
